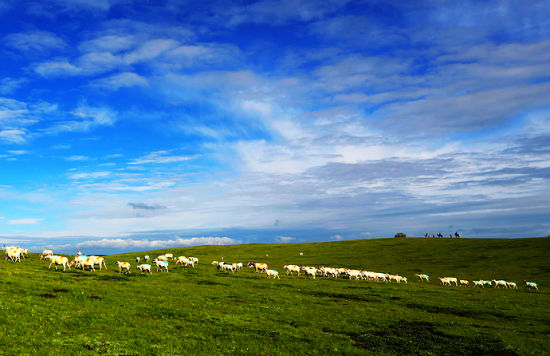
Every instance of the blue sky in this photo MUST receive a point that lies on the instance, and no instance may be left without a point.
(128, 125)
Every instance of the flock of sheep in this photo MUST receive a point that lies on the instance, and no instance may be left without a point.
(15, 254)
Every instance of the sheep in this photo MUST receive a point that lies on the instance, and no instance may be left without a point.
(309, 271)
(163, 265)
(371, 276)
(214, 262)
(59, 260)
(239, 265)
(402, 279)
(258, 267)
(487, 283)
(169, 256)
(161, 258)
(292, 268)
(500, 283)
(98, 260)
(452, 280)
(144, 268)
(46, 253)
(228, 267)
(381, 277)
(195, 260)
(464, 282)
(423, 277)
(478, 283)
(353, 273)
(24, 252)
(182, 260)
(146, 258)
(445, 281)
(301, 253)
(138, 259)
(123, 266)
(14, 254)
(512, 285)
(78, 261)
(272, 273)
(530, 285)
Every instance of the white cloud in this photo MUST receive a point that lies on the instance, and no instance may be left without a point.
(26, 221)
(285, 238)
(92, 175)
(161, 157)
(13, 136)
(144, 244)
(337, 237)
(120, 80)
(35, 41)
(75, 158)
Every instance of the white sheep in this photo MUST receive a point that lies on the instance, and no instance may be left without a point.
(144, 268)
(146, 258)
(478, 284)
(512, 285)
(531, 285)
(59, 260)
(423, 277)
(500, 282)
(464, 282)
(46, 253)
(272, 273)
(292, 268)
(309, 271)
(138, 259)
(123, 267)
(163, 265)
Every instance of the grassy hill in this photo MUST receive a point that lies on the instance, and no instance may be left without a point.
(203, 311)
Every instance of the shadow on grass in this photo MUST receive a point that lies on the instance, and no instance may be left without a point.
(421, 338)
(474, 314)
(362, 298)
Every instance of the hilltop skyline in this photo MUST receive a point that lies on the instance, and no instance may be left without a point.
(129, 125)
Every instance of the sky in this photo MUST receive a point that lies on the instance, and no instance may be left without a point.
(134, 125)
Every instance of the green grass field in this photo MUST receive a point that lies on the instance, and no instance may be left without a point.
(203, 311)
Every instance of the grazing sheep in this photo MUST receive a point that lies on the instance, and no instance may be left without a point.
(123, 266)
(309, 271)
(169, 256)
(452, 280)
(445, 281)
(239, 265)
(161, 258)
(301, 253)
(464, 282)
(195, 260)
(163, 265)
(144, 268)
(59, 260)
(258, 267)
(292, 268)
(512, 285)
(272, 273)
(423, 277)
(478, 284)
(138, 259)
(487, 283)
(353, 273)
(146, 258)
(531, 285)
(46, 253)
(500, 282)
(14, 254)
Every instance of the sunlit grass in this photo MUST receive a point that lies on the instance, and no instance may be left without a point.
(201, 310)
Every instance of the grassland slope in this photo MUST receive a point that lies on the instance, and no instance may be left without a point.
(204, 311)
